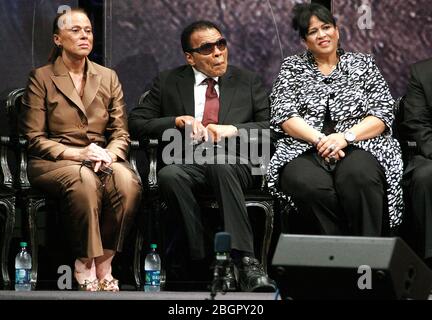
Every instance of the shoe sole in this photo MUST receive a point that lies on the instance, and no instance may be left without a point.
(268, 288)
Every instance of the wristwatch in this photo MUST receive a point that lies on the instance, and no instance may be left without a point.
(350, 137)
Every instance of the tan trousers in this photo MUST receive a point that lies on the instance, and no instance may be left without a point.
(98, 211)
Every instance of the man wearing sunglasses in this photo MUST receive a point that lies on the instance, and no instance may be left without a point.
(214, 100)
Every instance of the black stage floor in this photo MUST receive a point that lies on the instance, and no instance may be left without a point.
(130, 295)
(135, 295)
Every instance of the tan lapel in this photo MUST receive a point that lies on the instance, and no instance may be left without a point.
(92, 84)
(63, 82)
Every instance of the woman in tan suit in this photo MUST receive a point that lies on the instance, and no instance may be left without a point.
(74, 119)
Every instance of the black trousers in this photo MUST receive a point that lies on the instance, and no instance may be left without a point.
(348, 200)
(179, 183)
(419, 198)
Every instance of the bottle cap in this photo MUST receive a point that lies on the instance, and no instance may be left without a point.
(153, 246)
(23, 244)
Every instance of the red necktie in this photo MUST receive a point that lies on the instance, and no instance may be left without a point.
(211, 106)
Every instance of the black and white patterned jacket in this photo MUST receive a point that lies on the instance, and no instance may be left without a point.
(354, 90)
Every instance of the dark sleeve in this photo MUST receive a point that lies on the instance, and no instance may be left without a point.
(417, 123)
(260, 105)
(146, 119)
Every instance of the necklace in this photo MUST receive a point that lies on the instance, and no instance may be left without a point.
(324, 65)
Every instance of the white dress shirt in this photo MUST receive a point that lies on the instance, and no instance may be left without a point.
(200, 91)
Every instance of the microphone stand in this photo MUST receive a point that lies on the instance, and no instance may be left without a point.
(218, 283)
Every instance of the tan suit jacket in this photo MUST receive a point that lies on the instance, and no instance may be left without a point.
(54, 116)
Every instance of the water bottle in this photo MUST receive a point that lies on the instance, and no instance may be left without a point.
(23, 264)
(152, 267)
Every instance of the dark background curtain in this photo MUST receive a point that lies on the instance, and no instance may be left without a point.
(138, 38)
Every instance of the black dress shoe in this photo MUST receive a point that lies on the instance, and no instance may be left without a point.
(252, 277)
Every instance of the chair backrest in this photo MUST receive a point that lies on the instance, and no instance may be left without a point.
(409, 147)
(7, 178)
(143, 97)
(9, 162)
(398, 111)
(19, 143)
(13, 109)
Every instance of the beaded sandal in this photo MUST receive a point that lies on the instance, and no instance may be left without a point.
(109, 285)
(89, 285)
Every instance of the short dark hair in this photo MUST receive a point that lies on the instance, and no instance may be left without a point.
(302, 14)
(195, 26)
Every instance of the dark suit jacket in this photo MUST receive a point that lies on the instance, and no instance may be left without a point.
(417, 123)
(243, 102)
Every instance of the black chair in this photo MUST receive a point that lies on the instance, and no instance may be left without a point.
(7, 202)
(409, 148)
(258, 198)
(149, 211)
(407, 229)
(30, 200)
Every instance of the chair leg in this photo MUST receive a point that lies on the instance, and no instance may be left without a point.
(155, 233)
(159, 211)
(33, 207)
(137, 258)
(267, 206)
(9, 205)
(151, 229)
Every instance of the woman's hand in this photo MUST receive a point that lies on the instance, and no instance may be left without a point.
(338, 156)
(95, 153)
(331, 145)
(96, 165)
(113, 156)
(100, 157)
(92, 152)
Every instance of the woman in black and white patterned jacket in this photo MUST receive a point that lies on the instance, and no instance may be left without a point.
(336, 161)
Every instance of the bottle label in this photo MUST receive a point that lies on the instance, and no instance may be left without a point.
(22, 276)
(152, 278)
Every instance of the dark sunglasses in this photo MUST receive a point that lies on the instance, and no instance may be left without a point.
(208, 48)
